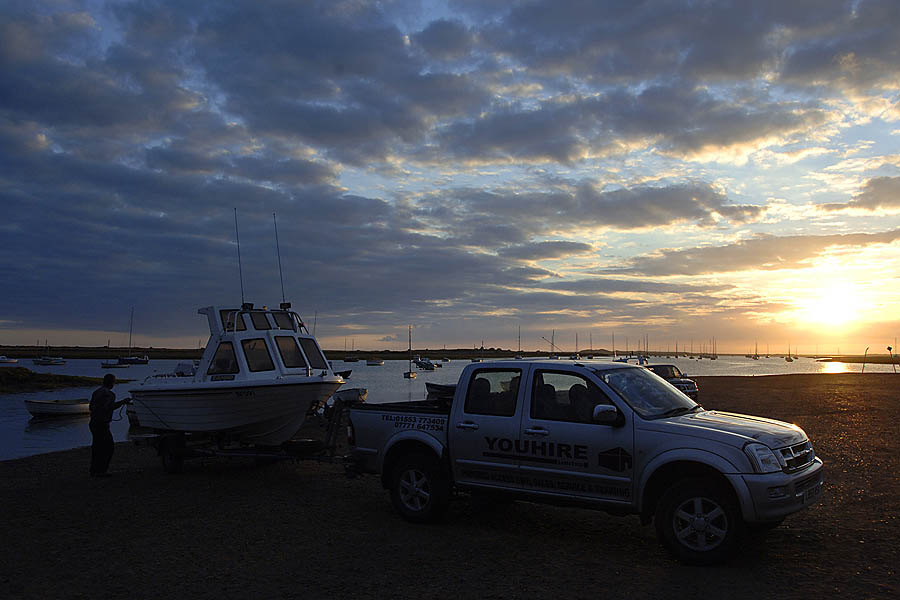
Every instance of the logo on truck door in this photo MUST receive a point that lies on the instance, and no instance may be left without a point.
(554, 453)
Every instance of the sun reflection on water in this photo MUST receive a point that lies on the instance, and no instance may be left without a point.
(834, 367)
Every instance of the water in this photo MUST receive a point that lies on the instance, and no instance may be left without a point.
(21, 435)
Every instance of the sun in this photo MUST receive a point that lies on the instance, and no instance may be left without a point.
(838, 304)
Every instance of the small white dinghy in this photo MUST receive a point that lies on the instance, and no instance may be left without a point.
(59, 408)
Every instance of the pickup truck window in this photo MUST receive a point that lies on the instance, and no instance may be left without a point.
(560, 396)
(493, 392)
(647, 394)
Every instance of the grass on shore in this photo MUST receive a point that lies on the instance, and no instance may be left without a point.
(15, 380)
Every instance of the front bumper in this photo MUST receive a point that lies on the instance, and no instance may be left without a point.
(772, 496)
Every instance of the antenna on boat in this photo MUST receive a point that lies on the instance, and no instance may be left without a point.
(284, 305)
(240, 269)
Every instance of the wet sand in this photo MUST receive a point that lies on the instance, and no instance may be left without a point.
(231, 529)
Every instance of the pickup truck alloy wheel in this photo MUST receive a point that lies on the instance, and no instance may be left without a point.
(419, 489)
(697, 521)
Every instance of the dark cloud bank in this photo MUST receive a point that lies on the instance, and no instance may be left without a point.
(128, 135)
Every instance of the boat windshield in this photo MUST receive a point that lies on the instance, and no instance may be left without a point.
(313, 354)
(649, 395)
(284, 320)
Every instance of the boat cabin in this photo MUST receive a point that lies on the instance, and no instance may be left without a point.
(258, 343)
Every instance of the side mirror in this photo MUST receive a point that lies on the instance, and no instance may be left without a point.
(606, 414)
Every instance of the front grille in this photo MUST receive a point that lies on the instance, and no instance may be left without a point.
(797, 457)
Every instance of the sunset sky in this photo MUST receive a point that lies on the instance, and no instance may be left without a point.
(673, 169)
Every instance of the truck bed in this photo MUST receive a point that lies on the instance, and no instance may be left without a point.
(437, 406)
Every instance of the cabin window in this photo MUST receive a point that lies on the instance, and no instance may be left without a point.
(258, 358)
(224, 361)
(228, 320)
(284, 320)
(493, 392)
(290, 353)
(260, 322)
(313, 354)
(558, 396)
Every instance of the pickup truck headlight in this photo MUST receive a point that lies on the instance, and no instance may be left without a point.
(762, 458)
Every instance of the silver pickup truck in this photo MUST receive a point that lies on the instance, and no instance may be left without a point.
(610, 436)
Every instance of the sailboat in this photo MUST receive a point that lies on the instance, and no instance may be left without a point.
(410, 374)
(133, 360)
(787, 357)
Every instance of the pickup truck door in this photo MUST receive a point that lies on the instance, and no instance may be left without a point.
(484, 427)
(568, 453)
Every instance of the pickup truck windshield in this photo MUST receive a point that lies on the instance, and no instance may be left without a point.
(646, 393)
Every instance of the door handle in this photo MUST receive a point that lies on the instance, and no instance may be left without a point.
(537, 431)
(467, 425)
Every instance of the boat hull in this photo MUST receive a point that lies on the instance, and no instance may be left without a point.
(264, 415)
(58, 408)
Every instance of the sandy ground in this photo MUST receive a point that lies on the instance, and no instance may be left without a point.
(231, 529)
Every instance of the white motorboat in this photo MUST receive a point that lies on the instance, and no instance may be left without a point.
(113, 364)
(58, 408)
(49, 360)
(258, 377)
(7, 360)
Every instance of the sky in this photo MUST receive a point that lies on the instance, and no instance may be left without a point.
(672, 171)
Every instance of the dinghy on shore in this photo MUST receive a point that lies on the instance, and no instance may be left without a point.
(58, 408)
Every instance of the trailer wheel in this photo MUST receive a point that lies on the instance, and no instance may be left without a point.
(171, 453)
(420, 490)
(698, 521)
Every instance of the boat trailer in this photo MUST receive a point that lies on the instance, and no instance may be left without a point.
(174, 447)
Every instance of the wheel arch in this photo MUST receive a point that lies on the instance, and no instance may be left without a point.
(662, 475)
(405, 445)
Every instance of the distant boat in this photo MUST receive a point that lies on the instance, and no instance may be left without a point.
(350, 359)
(344, 374)
(133, 360)
(445, 360)
(4, 359)
(49, 360)
(787, 357)
(374, 362)
(476, 360)
(410, 374)
(113, 364)
(424, 364)
(58, 408)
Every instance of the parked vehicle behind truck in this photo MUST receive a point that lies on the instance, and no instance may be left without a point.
(608, 436)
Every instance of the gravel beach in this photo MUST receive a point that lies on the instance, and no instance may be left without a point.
(227, 528)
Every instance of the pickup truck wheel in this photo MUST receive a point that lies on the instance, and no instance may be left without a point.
(420, 490)
(698, 522)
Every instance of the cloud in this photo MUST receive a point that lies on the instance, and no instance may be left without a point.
(759, 253)
(878, 193)
(544, 250)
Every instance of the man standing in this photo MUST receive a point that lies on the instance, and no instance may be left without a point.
(103, 403)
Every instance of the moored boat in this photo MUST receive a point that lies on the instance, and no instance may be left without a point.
(260, 373)
(113, 364)
(7, 360)
(49, 360)
(58, 408)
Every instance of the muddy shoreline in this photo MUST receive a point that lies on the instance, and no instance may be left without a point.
(229, 528)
